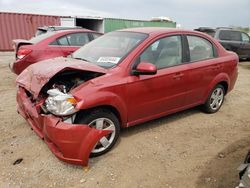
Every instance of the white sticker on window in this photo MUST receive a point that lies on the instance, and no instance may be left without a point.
(114, 60)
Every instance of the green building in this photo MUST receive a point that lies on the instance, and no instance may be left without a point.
(105, 25)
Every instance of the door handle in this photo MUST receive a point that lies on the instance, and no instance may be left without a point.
(216, 67)
(178, 76)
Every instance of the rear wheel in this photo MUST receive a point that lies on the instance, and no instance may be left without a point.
(215, 99)
(101, 119)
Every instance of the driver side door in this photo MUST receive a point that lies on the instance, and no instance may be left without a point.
(152, 96)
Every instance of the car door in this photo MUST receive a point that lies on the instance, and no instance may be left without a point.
(244, 51)
(155, 95)
(67, 44)
(203, 67)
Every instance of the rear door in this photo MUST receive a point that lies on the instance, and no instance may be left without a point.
(203, 67)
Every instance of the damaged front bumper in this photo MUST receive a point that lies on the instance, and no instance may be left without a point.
(71, 143)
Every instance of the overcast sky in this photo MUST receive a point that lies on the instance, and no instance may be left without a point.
(188, 13)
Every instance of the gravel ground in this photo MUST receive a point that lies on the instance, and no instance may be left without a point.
(187, 149)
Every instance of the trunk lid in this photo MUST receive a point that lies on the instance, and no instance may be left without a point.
(17, 43)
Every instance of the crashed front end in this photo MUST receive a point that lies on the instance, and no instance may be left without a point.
(45, 101)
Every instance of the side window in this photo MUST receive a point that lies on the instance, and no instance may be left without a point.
(75, 39)
(78, 39)
(230, 35)
(63, 41)
(55, 42)
(245, 37)
(166, 52)
(199, 48)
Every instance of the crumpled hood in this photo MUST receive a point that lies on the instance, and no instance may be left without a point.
(37, 75)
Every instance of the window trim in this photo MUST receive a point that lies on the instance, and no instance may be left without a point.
(215, 52)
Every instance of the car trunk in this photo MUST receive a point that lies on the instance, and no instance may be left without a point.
(17, 43)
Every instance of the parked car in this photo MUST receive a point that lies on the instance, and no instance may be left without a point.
(79, 104)
(45, 29)
(232, 40)
(49, 45)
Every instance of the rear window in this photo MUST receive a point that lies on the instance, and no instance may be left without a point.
(230, 35)
(39, 38)
(40, 32)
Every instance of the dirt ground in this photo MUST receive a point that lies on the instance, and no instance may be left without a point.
(187, 149)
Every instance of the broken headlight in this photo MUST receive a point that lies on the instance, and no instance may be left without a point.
(59, 103)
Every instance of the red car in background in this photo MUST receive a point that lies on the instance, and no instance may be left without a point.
(79, 104)
(49, 45)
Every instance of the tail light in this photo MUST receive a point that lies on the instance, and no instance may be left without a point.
(23, 52)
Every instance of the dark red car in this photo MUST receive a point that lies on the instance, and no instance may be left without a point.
(49, 45)
(78, 105)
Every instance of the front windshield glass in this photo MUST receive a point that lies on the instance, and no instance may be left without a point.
(107, 50)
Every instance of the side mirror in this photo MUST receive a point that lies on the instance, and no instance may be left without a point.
(145, 68)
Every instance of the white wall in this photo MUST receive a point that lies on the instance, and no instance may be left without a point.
(68, 22)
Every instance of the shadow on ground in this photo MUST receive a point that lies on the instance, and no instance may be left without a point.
(227, 160)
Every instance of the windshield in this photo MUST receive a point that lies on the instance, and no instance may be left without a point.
(108, 50)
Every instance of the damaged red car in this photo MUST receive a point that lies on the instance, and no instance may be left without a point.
(79, 104)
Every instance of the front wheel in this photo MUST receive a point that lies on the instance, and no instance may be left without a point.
(101, 119)
(215, 99)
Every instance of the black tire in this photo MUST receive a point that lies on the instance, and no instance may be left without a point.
(87, 117)
(208, 107)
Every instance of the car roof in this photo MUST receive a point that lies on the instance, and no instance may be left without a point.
(72, 30)
(155, 30)
(59, 27)
(52, 33)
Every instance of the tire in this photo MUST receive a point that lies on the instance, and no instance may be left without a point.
(106, 119)
(215, 100)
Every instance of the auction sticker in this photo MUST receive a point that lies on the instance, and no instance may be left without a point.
(114, 60)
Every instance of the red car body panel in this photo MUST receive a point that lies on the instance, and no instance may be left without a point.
(135, 98)
(70, 143)
(34, 79)
(43, 50)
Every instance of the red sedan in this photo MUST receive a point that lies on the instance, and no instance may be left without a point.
(49, 45)
(79, 104)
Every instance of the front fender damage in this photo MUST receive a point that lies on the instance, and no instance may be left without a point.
(71, 143)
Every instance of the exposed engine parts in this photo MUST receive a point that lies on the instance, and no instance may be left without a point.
(59, 101)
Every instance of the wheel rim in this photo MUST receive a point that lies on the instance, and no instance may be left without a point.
(216, 98)
(106, 141)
